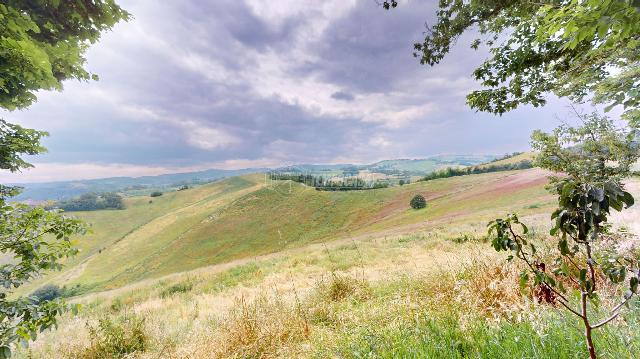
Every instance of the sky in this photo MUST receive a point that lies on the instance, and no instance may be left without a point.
(190, 85)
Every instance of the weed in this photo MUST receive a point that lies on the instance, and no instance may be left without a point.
(115, 338)
(258, 329)
(182, 287)
(340, 287)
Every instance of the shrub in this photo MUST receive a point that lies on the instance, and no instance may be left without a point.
(93, 202)
(177, 288)
(593, 160)
(156, 194)
(418, 202)
(115, 339)
(47, 292)
(341, 287)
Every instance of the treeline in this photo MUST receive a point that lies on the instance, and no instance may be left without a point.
(453, 172)
(92, 202)
(342, 187)
(506, 156)
(326, 184)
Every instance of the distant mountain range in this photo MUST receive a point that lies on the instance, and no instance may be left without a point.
(37, 192)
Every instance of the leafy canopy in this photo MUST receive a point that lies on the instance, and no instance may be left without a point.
(43, 43)
(581, 49)
(418, 202)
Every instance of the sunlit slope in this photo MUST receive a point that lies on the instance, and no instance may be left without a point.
(242, 217)
(526, 156)
(143, 217)
(272, 218)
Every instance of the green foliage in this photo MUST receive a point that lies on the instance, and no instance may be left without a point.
(595, 152)
(322, 184)
(155, 194)
(16, 140)
(594, 159)
(93, 202)
(116, 338)
(506, 156)
(446, 334)
(37, 239)
(47, 292)
(183, 287)
(569, 47)
(418, 202)
(43, 43)
(453, 172)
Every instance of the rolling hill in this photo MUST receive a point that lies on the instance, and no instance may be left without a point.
(244, 217)
(132, 186)
(251, 268)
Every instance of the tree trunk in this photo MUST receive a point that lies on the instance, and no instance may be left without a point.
(587, 326)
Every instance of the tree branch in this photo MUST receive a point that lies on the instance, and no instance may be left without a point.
(615, 311)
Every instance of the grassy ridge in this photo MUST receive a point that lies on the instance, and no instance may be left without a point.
(242, 218)
(111, 229)
(440, 291)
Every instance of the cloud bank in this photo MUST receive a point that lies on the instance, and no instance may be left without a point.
(188, 84)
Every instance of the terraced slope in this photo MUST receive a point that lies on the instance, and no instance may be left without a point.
(244, 217)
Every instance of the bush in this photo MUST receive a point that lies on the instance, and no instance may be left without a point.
(156, 194)
(93, 202)
(340, 287)
(176, 288)
(418, 202)
(116, 339)
(47, 292)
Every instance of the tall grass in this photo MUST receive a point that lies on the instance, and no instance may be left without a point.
(414, 296)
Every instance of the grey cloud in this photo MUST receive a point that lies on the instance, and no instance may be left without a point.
(343, 96)
(144, 66)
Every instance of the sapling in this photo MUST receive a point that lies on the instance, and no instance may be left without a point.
(591, 162)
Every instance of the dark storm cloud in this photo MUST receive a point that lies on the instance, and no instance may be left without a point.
(194, 82)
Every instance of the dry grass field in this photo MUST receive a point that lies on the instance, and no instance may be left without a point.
(261, 272)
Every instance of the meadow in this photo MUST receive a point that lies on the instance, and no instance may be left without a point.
(244, 217)
(248, 269)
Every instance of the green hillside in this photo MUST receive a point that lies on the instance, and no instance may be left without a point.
(242, 217)
(526, 156)
(344, 274)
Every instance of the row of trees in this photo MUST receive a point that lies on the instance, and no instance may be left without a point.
(92, 202)
(453, 172)
(506, 156)
(329, 184)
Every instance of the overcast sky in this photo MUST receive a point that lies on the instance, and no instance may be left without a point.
(228, 84)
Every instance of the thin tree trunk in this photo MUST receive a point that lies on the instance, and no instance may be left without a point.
(587, 326)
